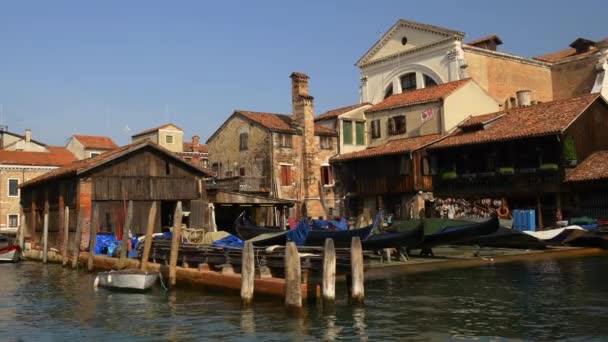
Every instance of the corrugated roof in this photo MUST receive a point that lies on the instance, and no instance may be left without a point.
(57, 156)
(537, 120)
(339, 111)
(434, 93)
(391, 147)
(96, 142)
(594, 167)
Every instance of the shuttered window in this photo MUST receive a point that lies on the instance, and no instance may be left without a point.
(286, 175)
(376, 133)
(347, 132)
(360, 130)
(326, 175)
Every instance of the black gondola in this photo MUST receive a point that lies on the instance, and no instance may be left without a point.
(506, 238)
(404, 239)
(454, 234)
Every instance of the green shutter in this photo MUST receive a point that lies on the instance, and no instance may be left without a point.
(360, 128)
(347, 132)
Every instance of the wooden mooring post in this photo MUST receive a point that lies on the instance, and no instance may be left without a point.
(45, 238)
(293, 274)
(357, 290)
(247, 273)
(93, 240)
(175, 241)
(149, 232)
(121, 263)
(77, 238)
(66, 232)
(22, 229)
(329, 271)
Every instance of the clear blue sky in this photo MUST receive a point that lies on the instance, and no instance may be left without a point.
(90, 67)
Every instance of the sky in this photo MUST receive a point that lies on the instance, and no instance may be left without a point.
(117, 67)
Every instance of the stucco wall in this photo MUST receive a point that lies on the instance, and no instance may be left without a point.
(178, 139)
(76, 148)
(574, 78)
(353, 115)
(469, 100)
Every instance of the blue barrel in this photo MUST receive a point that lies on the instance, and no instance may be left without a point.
(531, 220)
(517, 220)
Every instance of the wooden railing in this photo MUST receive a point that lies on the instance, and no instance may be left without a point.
(496, 183)
(240, 184)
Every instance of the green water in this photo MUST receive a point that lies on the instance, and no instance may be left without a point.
(563, 299)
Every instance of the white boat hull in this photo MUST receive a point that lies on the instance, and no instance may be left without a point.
(127, 279)
(10, 254)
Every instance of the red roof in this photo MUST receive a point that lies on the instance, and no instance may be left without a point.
(434, 93)
(79, 166)
(57, 156)
(150, 130)
(595, 167)
(396, 146)
(96, 142)
(561, 55)
(339, 111)
(537, 120)
(201, 148)
(281, 122)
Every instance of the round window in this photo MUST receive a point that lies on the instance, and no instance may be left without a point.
(404, 40)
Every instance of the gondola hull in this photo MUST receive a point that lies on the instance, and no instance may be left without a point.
(455, 234)
(405, 239)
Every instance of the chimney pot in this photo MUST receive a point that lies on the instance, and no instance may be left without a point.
(28, 135)
(523, 98)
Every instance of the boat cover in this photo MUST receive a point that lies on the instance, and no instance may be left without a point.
(229, 241)
(106, 242)
(299, 233)
(551, 233)
(331, 224)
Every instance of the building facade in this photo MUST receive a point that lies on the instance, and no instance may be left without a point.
(89, 146)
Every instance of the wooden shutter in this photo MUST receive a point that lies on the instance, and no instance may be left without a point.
(360, 129)
(347, 128)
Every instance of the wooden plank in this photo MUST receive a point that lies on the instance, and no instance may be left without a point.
(93, 234)
(175, 240)
(66, 232)
(329, 271)
(149, 231)
(247, 273)
(293, 274)
(357, 292)
(77, 238)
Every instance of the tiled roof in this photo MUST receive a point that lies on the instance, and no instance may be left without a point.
(96, 142)
(485, 39)
(483, 119)
(202, 148)
(337, 112)
(391, 147)
(561, 55)
(150, 130)
(595, 167)
(281, 122)
(78, 166)
(423, 95)
(57, 156)
(537, 120)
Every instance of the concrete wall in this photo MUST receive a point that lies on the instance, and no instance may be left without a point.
(469, 100)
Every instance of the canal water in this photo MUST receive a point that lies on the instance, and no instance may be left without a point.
(564, 299)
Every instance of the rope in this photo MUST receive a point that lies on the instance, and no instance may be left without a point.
(162, 283)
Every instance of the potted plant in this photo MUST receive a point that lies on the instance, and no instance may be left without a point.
(445, 175)
(506, 170)
(569, 150)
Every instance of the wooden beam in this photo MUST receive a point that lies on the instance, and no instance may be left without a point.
(149, 231)
(66, 232)
(45, 238)
(120, 264)
(357, 293)
(539, 213)
(93, 235)
(175, 242)
(77, 238)
(247, 273)
(293, 274)
(329, 271)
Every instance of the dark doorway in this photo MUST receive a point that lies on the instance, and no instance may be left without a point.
(167, 210)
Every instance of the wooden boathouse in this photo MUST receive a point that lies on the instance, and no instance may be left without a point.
(142, 171)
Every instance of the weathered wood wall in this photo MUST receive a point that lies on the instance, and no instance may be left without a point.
(589, 130)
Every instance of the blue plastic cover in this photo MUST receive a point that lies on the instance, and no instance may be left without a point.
(104, 241)
(330, 224)
(299, 233)
(229, 241)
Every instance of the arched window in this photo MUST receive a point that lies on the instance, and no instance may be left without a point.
(389, 91)
(429, 82)
(408, 82)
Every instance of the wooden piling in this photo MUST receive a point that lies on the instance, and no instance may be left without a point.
(329, 271)
(22, 229)
(357, 293)
(293, 289)
(247, 273)
(93, 235)
(149, 232)
(66, 231)
(45, 238)
(120, 264)
(177, 229)
(77, 238)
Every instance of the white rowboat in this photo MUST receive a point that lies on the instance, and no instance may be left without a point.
(127, 279)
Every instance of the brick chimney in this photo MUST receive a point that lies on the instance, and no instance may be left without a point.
(28, 135)
(196, 140)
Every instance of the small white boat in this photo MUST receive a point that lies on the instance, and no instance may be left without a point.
(11, 253)
(127, 279)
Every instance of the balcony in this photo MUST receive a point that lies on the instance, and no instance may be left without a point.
(240, 184)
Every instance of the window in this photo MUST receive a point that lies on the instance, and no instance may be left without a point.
(360, 131)
(242, 172)
(376, 133)
(94, 154)
(13, 220)
(404, 40)
(347, 132)
(326, 175)
(405, 166)
(13, 187)
(429, 82)
(396, 125)
(408, 82)
(169, 139)
(285, 140)
(389, 91)
(326, 143)
(243, 137)
(205, 163)
(286, 175)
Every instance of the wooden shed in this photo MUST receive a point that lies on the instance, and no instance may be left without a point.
(143, 172)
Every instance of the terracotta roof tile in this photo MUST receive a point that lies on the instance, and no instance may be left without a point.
(396, 146)
(202, 148)
(339, 111)
(57, 156)
(96, 142)
(485, 39)
(281, 122)
(423, 95)
(150, 130)
(537, 120)
(562, 54)
(595, 167)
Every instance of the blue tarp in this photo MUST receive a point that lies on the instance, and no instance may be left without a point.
(106, 244)
(299, 233)
(229, 241)
(330, 224)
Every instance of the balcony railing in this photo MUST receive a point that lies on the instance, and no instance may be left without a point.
(240, 184)
(520, 181)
